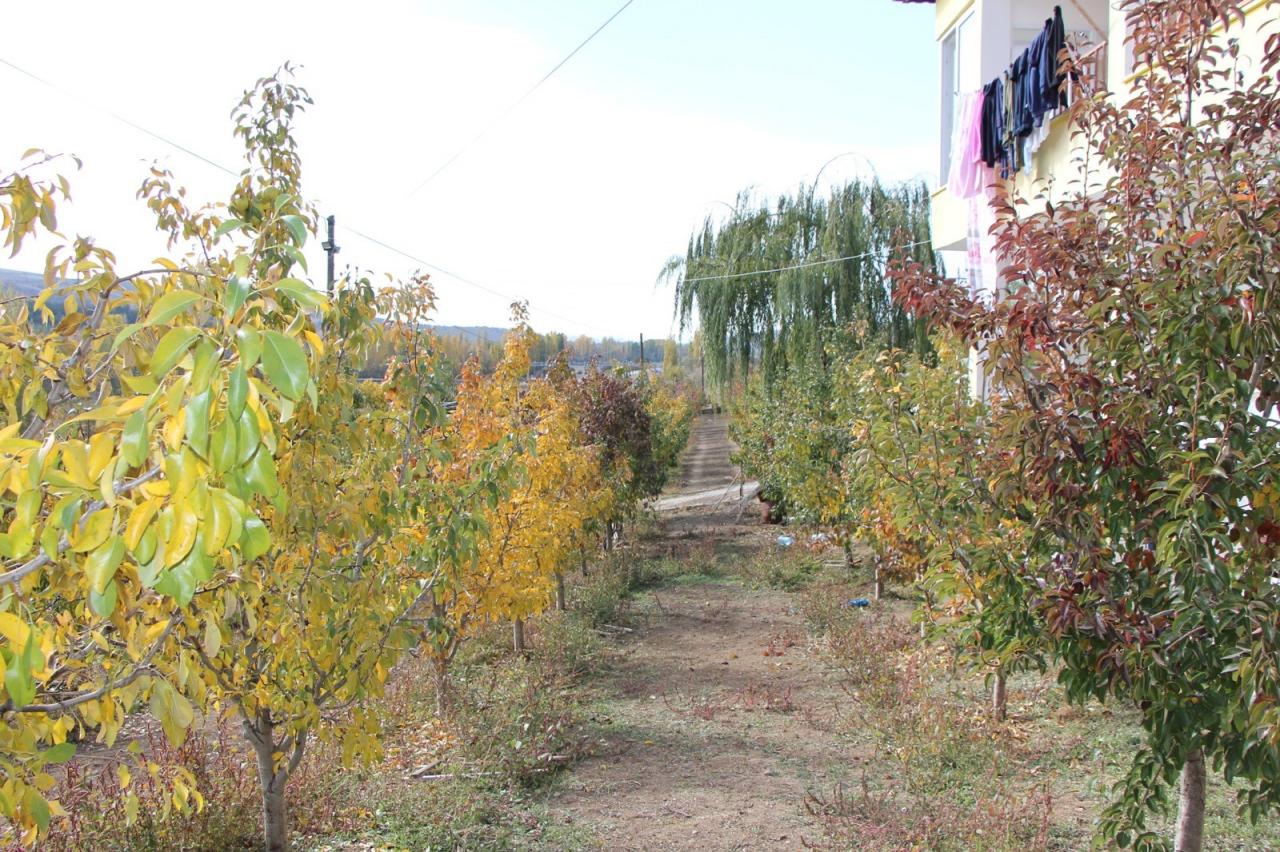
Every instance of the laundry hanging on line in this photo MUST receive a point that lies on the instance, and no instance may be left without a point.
(1010, 124)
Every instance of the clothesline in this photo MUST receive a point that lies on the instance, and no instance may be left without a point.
(804, 265)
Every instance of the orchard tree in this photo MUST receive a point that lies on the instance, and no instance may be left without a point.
(137, 460)
(305, 628)
(917, 485)
(527, 434)
(1138, 351)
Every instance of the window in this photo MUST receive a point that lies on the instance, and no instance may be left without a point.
(959, 64)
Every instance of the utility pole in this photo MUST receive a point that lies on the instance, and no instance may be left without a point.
(642, 354)
(331, 249)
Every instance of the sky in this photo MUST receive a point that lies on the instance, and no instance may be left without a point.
(573, 202)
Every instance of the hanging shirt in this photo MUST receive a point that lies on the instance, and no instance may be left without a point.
(1051, 80)
(967, 175)
(991, 131)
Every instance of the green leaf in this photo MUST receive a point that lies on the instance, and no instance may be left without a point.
(171, 349)
(297, 227)
(171, 305)
(227, 227)
(104, 604)
(147, 546)
(255, 539)
(222, 450)
(249, 344)
(18, 681)
(248, 435)
(300, 292)
(35, 804)
(133, 443)
(60, 753)
(237, 392)
(236, 295)
(260, 473)
(197, 417)
(101, 565)
(285, 364)
(124, 334)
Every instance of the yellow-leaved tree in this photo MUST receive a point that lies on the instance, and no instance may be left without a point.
(138, 454)
(529, 429)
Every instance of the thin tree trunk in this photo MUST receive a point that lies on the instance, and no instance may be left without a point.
(517, 635)
(1191, 805)
(999, 695)
(272, 779)
(562, 602)
(440, 678)
(879, 581)
(848, 557)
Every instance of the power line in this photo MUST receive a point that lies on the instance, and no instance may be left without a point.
(119, 118)
(215, 164)
(516, 104)
(463, 279)
(802, 265)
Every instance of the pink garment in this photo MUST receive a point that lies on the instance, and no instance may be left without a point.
(968, 175)
(984, 268)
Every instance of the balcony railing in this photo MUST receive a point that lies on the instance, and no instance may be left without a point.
(1090, 72)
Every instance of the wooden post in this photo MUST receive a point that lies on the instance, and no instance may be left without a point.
(331, 249)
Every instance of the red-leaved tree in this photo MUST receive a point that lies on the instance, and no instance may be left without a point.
(1137, 361)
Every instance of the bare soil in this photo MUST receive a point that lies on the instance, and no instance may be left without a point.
(718, 719)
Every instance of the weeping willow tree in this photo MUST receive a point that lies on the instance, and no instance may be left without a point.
(777, 285)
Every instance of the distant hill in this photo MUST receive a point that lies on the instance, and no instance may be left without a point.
(21, 283)
(488, 334)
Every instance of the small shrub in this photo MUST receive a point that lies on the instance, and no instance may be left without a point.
(888, 819)
(566, 643)
(516, 723)
(787, 571)
(941, 753)
(601, 597)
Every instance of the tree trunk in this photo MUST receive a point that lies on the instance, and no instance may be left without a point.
(272, 779)
(517, 635)
(849, 564)
(562, 603)
(440, 678)
(879, 581)
(999, 697)
(1191, 805)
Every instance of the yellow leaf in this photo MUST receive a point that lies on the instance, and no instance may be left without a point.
(139, 519)
(185, 526)
(14, 629)
(93, 531)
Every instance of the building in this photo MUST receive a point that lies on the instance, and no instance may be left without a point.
(978, 41)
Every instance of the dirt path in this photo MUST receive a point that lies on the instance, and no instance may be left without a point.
(717, 718)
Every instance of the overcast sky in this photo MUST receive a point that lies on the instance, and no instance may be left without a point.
(573, 202)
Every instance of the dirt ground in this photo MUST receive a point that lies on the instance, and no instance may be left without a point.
(717, 720)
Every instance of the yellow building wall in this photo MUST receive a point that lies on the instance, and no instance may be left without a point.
(949, 11)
